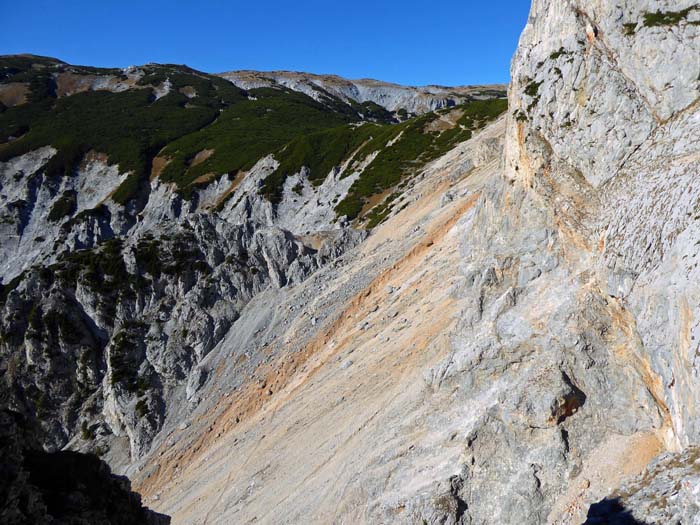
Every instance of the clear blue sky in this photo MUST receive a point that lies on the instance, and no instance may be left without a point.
(446, 42)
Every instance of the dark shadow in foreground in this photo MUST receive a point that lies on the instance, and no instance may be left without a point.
(610, 511)
(61, 487)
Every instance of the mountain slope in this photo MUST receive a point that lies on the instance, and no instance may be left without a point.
(144, 209)
(84, 139)
(505, 350)
(395, 98)
(334, 402)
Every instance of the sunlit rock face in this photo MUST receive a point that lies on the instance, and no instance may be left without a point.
(532, 344)
(516, 343)
(393, 97)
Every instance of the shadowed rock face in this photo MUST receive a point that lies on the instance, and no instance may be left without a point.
(61, 487)
(666, 493)
(610, 512)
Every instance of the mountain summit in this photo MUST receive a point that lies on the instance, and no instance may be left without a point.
(393, 97)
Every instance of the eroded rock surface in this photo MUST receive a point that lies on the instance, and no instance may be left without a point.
(516, 342)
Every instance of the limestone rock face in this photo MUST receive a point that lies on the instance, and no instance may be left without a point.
(107, 310)
(393, 97)
(611, 97)
(516, 342)
(604, 115)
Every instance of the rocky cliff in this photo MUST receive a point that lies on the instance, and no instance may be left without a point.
(513, 345)
(144, 209)
(404, 99)
(504, 333)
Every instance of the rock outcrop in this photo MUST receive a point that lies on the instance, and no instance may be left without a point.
(516, 342)
(102, 338)
(393, 97)
(61, 487)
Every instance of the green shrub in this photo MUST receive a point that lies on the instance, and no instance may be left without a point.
(556, 54)
(246, 132)
(533, 88)
(175, 256)
(130, 127)
(142, 408)
(103, 270)
(65, 206)
(86, 433)
(125, 357)
(319, 152)
(380, 212)
(666, 18)
(148, 257)
(413, 147)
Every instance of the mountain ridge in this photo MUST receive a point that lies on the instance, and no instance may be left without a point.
(245, 76)
(144, 209)
(485, 313)
(394, 97)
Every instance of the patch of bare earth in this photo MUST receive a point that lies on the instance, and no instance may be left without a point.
(188, 91)
(68, 83)
(206, 178)
(159, 164)
(374, 200)
(14, 93)
(201, 157)
(446, 121)
(93, 156)
(234, 184)
(72, 83)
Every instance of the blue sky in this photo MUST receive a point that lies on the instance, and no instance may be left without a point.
(446, 42)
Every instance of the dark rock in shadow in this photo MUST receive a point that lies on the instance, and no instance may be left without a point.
(61, 487)
(610, 511)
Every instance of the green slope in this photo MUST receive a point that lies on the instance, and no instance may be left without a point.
(414, 144)
(207, 127)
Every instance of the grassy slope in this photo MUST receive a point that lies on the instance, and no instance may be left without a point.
(413, 146)
(413, 150)
(246, 132)
(132, 128)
